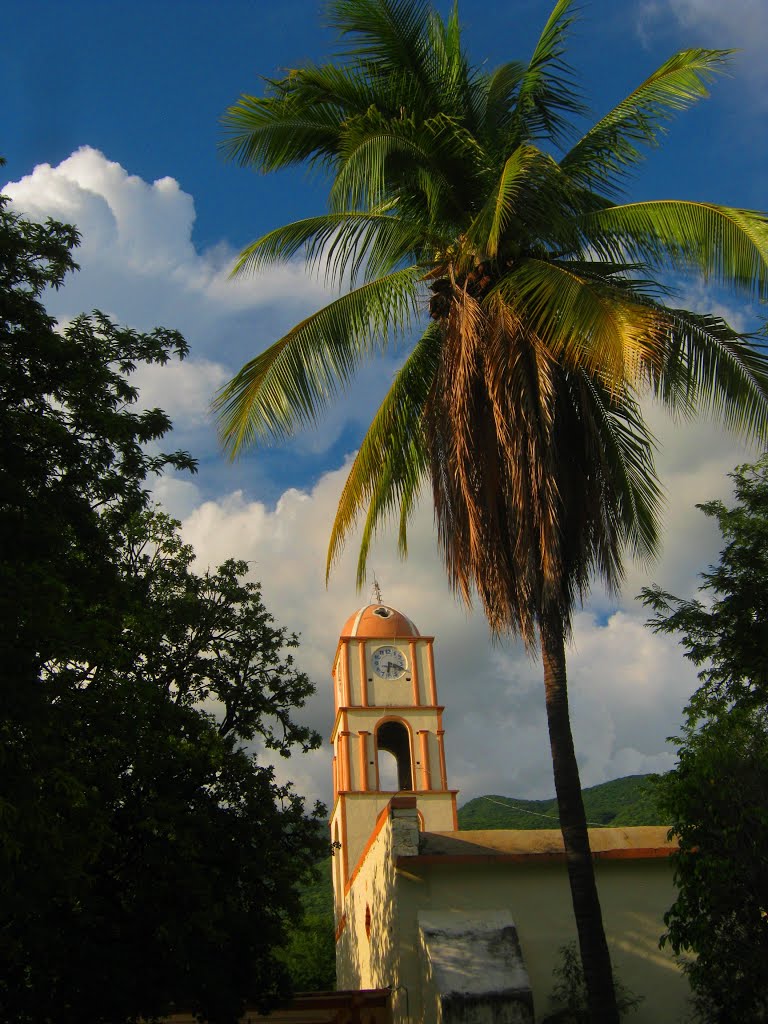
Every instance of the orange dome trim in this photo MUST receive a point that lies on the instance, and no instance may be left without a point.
(377, 621)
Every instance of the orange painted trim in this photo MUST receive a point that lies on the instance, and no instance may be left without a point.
(336, 869)
(426, 774)
(455, 813)
(340, 927)
(346, 767)
(437, 708)
(441, 755)
(344, 844)
(431, 674)
(363, 674)
(359, 636)
(363, 750)
(415, 674)
(347, 697)
(380, 822)
(376, 780)
(334, 730)
(334, 776)
(652, 853)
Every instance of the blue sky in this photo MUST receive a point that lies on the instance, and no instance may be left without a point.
(146, 83)
(122, 102)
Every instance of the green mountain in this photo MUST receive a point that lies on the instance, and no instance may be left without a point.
(627, 801)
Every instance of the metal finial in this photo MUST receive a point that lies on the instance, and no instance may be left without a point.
(376, 590)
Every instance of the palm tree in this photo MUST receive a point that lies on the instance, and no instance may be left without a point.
(467, 217)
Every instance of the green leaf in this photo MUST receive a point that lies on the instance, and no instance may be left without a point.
(600, 158)
(340, 244)
(493, 219)
(547, 88)
(712, 369)
(585, 322)
(288, 384)
(727, 245)
(391, 462)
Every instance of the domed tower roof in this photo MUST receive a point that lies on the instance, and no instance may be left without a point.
(379, 620)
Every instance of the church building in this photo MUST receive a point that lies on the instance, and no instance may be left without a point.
(462, 926)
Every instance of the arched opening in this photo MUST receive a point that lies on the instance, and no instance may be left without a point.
(393, 739)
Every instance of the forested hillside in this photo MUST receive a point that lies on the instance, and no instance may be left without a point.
(627, 801)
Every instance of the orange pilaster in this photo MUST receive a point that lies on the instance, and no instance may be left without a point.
(431, 670)
(441, 752)
(363, 741)
(346, 767)
(347, 698)
(415, 674)
(363, 674)
(426, 774)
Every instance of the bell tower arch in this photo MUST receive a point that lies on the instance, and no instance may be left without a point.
(388, 735)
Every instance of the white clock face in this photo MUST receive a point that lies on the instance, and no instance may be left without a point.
(389, 662)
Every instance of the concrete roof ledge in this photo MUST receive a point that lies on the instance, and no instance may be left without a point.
(634, 841)
(475, 966)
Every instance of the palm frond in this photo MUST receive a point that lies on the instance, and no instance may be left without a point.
(585, 323)
(723, 244)
(287, 385)
(711, 368)
(601, 157)
(341, 87)
(361, 181)
(496, 94)
(449, 68)
(272, 132)
(548, 87)
(385, 35)
(626, 449)
(342, 244)
(495, 216)
(391, 461)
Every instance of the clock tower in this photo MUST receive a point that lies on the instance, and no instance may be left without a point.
(387, 734)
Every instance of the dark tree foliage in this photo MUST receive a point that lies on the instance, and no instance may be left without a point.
(147, 859)
(717, 796)
(310, 954)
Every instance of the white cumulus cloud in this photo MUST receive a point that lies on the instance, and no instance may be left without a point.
(739, 24)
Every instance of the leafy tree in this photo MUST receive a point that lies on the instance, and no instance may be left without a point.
(310, 954)
(728, 634)
(462, 199)
(147, 858)
(716, 795)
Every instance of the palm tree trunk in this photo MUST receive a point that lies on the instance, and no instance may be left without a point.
(593, 947)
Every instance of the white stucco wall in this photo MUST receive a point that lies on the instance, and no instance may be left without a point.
(393, 888)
